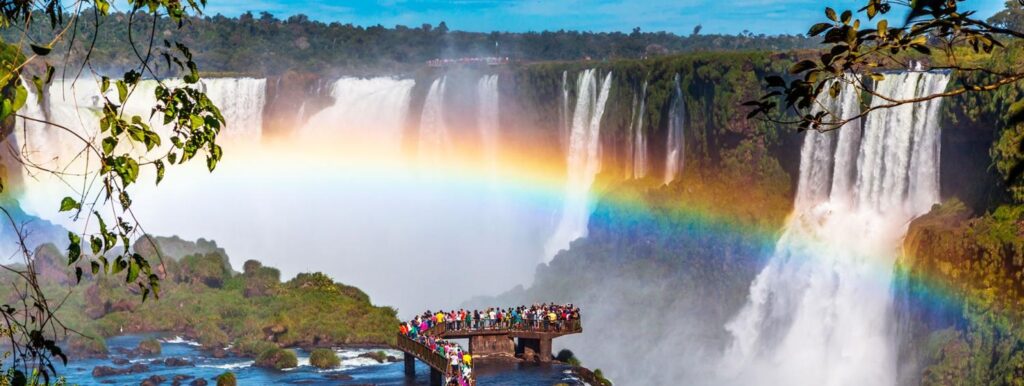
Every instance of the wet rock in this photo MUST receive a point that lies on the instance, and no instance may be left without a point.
(139, 368)
(180, 379)
(119, 361)
(392, 359)
(153, 381)
(198, 382)
(219, 353)
(178, 362)
(107, 371)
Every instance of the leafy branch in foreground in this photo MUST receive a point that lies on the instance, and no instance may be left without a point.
(859, 53)
(109, 156)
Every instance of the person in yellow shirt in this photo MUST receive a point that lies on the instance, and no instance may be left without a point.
(467, 359)
(439, 317)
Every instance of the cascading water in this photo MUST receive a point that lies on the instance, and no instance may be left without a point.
(820, 313)
(566, 123)
(434, 140)
(241, 102)
(675, 145)
(359, 105)
(638, 144)
(487, 119)
(583, 160)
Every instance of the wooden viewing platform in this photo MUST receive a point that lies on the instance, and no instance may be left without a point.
(508, 341)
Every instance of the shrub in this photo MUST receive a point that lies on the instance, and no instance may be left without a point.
(277, 358)
(149, 347)
(324, 359)
(227, 379)
(253, 347)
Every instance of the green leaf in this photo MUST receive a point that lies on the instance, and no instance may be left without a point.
(104, 84)
(69, 203)
(133, 272)
(817, 29)
(78, 274)
(102, 6)
(109, 143)
(883, 28)
(159, 171)
(802, 66)
(847, 15)
(20, 96)
(97, 244)
(122, 91)
(831, 14)
(95, 267)
(41, 50)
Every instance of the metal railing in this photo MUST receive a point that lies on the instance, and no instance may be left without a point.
(562, 326)
(423, 353)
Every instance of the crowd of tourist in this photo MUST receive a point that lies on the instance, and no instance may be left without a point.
(546, 317)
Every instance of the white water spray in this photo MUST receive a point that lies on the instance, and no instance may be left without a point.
(638, 145)
(487, 120)
(583, 160)
(675, 145)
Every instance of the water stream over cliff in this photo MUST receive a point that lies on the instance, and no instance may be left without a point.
(821, 312)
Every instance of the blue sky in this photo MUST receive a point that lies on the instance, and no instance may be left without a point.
(680, 16)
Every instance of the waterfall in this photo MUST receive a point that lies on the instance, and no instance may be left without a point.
(638, 145)
(583, 160)
(487, 120)
(241, 101)
(368, 115)
(434, 140)
(820, 313)
(675, 146)
(566, 116)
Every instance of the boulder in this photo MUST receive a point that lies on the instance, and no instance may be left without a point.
(198, 382)
(107, 371)
(178, 362)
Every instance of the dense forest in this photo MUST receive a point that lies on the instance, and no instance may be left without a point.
(265, 45)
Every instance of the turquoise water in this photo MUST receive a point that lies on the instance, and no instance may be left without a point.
(362, 371)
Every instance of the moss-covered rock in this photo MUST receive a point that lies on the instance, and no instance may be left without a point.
(324, 358)
(149, 347)
(278, 359)
(227, 379)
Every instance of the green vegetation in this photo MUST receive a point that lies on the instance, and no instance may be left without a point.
(323, 358)
(277, 358)
(963, 275)
(601, 379)
(265, 45)
(227, 379)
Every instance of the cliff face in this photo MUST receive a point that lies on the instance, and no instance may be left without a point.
(960, 296)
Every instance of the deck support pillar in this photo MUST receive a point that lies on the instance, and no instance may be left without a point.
(410, 365)
(436, 379)
(541, 347)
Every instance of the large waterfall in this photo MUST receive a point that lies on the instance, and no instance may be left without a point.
(820, 313)
(675, 145)
(583, 160)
